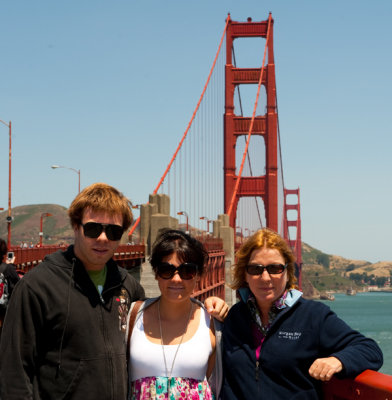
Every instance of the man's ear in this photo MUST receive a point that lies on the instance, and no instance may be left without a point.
(76, 227)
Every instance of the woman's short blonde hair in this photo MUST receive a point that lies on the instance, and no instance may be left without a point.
(263, 238)
(100, 197)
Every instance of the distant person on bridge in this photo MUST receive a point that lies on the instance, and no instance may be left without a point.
(277, 345)
(174, 343)
(64, 332)
(8, 279)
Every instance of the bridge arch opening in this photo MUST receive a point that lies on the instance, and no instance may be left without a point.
(245, 98)
(248, 52)
(292, 233)
(250, 215)
(255, 164)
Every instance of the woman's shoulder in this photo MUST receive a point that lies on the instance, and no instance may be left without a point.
(312, 308)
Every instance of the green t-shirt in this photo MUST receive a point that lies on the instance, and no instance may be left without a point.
(98, 278)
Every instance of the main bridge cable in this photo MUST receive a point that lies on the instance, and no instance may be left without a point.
(247, 154)
(189, 124)
(237, 183)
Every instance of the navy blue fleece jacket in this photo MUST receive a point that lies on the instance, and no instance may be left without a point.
(303, 331)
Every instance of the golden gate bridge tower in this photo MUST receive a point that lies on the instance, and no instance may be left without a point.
(269, 187)
(265, 186)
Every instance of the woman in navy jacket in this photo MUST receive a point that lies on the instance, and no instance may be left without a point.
(277, 345)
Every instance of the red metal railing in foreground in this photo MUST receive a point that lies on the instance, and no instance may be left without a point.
(370, 385)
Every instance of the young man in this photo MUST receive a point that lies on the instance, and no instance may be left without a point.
(63, 336)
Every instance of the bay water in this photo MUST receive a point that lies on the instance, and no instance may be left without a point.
(371, 314)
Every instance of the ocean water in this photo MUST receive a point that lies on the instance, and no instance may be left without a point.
(371, 314)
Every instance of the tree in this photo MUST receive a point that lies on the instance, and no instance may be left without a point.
(323, 259)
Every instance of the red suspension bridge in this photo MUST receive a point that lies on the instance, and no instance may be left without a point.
(251, 189)
(229, 163)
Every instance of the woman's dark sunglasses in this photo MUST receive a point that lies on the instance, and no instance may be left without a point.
(186, 270)
(272, 269)
(94, 230)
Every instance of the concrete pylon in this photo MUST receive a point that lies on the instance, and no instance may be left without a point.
(226, 233)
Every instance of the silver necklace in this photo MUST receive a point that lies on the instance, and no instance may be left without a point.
(179, 344)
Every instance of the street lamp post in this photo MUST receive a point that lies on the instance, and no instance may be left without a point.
(187, 220)
(72, 169)
(242, 234)
(41, 233)
(9, 217)
(208, 224)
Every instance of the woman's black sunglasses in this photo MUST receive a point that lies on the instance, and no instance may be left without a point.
(186, 270)
(272, 269)
(94, 230)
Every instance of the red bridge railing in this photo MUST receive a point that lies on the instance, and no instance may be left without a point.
(127, 256)
(212, 282)
(370, 385)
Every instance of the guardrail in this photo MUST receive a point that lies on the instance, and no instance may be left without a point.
(26, 258)
(130, 255)
(370, 385)
(212, 283)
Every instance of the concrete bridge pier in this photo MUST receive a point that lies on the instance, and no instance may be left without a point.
(155, 216)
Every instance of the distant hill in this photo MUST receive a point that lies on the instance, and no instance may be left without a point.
(326, 272)
(26, 224)
(345, 266)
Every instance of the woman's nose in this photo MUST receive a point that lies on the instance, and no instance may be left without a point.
(265, 275)
(176, 277)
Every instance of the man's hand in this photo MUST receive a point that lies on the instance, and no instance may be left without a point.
(10, 261)
(323, 368)
(216, 307)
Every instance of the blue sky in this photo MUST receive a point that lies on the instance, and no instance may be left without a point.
(109, 87)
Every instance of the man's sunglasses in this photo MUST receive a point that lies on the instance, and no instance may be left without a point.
(186, 270)
(94, 230)
(272, 269)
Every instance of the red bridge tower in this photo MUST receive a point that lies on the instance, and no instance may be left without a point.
(264, 186)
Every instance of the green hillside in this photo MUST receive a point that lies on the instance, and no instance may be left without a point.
(26, 224)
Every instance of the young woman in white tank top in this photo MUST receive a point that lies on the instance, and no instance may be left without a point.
(173, 339)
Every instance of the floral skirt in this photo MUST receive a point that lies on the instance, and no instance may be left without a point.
(152, 388)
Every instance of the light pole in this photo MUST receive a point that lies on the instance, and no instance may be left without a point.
(41, 233)
(242, 235)
(208, 224)
(9, 218)
(72, 169)
(187, 220)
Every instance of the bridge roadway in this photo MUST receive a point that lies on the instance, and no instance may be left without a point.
(369, 385)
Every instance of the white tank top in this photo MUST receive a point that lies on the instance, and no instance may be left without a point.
(191, 360)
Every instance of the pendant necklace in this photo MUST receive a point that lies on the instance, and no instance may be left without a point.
(178, 346)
